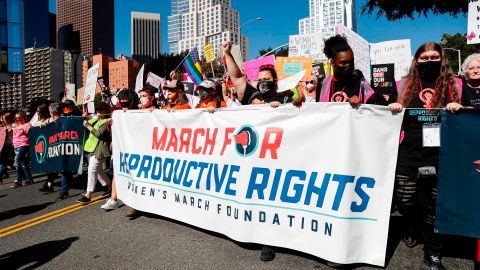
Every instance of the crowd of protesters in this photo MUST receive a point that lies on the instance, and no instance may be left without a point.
(429, 85)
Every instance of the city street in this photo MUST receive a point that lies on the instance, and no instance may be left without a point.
(38, 231)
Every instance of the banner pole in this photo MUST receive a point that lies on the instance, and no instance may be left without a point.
(213, 71)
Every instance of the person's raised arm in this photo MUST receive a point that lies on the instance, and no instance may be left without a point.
(234, 71)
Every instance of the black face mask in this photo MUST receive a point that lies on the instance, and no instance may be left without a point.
(124, 104)
(429, 70)
(203, 94)
(344, 72)
(265, 87)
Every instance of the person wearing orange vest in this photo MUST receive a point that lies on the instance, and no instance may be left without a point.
(176, 97)
(208, 97)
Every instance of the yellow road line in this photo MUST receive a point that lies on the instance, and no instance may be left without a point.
(40, 219)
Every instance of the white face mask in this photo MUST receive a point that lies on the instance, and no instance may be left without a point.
(310, 86)
(143, 100)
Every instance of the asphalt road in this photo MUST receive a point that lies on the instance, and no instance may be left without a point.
(76, 237)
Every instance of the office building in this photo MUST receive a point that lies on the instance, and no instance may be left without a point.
(146, 36)
(122, 73)
(325, 15)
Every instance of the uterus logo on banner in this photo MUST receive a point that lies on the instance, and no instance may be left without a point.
(246, 140)
(478, 163)
(41, 149)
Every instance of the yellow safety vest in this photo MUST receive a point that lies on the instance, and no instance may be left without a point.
(92, 141)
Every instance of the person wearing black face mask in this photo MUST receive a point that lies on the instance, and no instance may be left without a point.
(343, 86)
(127, 99)
(429, 85)
(266, 87)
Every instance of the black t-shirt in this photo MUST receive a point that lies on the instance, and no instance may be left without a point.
(470, 96)
(250, 91)
(411, 151)
(342, 91)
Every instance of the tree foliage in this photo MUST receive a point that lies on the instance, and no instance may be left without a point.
(165, 63)
(280, 52)
(399, 9)
(458, 42)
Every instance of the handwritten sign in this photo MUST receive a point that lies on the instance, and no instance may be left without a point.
(308, 45)
(288, 66)
(251, 67)
(473, 31)
(154, 80)
(360, 49)
(398, 52)
(209, 53)
(91, 84)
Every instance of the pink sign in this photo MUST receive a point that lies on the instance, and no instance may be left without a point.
(2, 137)
(251, 67)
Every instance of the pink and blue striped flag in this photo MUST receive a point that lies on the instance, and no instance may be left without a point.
(192, 66)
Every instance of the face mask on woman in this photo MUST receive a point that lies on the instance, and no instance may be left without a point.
(144, 100)
(265, 86)
(429, 70)
(203, 93)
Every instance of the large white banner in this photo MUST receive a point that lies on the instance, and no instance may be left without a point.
(360, 49)
(397, 52)
(473, 31)
(317, 179)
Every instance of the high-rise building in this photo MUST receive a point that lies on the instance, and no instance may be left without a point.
(146, 36)
(86, 26)
(11, 36)
(326, 14)
(194, 23)
(123, 73)
(37, 24)
(103, 60)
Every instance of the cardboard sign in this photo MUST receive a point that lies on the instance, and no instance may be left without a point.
(288, 66)
(251, 67)
(383, 76)
(139, 82)
(290, 82)
(209, 53)
(70, 91)
(398, 52)
(308, 45)
(91, 84)
(155, 80)
(473, 29)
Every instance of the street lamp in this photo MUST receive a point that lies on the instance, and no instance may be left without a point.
(240, 32)
(459, 58)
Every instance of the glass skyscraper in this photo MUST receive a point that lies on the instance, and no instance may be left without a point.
(11, 36)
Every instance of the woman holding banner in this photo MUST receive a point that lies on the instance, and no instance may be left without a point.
(429, 86)
(20, 143)
(471, 87)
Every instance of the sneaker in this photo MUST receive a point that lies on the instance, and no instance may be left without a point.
(110, 205)
(83, 200)
(46, 188)
(63, 195)
(26, 183)
(410, 241)
(434, 262)
(267, 254)
(16, 184)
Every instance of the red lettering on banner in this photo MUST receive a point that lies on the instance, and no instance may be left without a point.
(210, 141)
(185, 136)
(196, 150)
(227, 140)
(273, 147)
(159, 143)
(173, 141)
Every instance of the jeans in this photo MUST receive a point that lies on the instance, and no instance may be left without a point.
(66, 176)
(21, 165)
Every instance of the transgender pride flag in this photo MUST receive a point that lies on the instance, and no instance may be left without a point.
(192, 66)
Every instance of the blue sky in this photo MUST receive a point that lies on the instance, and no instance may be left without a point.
(280, 19)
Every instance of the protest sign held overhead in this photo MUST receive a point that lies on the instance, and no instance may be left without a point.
(139, 81)
(91, 84)
(308, 45)
(473, 28)
(209, 53)
(251, 67)
(288, 66)
(155, 80)
(398, 52)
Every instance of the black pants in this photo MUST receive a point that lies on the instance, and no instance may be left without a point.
(415, 198)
